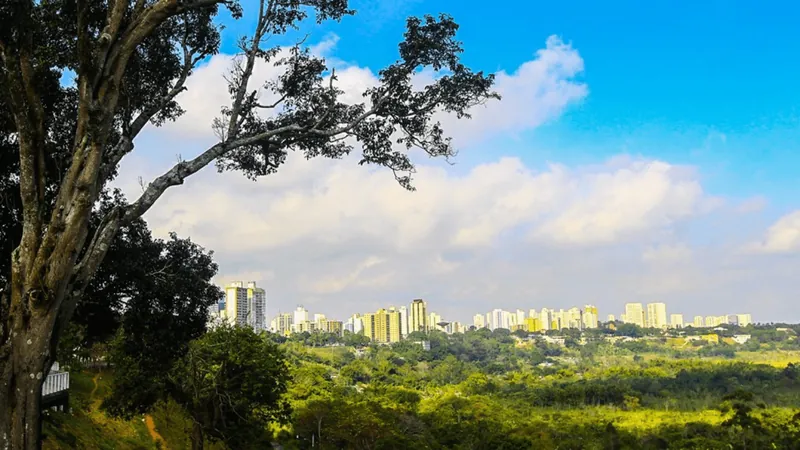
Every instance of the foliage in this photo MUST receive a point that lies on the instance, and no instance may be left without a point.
(61, 143)
(231, 382)
(168, 309)
(486, 390)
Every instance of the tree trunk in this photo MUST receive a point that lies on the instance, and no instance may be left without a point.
(197, 436)
(25, 364)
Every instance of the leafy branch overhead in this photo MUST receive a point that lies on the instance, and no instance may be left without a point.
(61, 145)
(310, 117)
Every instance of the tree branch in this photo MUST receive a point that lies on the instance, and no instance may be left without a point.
(26, 107)
(125, 143)
(264, 18)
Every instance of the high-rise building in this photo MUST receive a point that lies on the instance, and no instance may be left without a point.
(744, 319)
(354, 324)
(572, 318)
(590, 316)
(433, 321)
(300, 318)
(500, 319)
(382, 326)
(394, 318)
(546, 317)
(634, 313)
(656, 315)
(520, 317)
(334, 326)
(246, 305)
(676, 320)
(711, 321)
(403, 321)
(697, 322)
(611, 318)
(533, 324)
(478, 321)
(282, 324)
(418, 319)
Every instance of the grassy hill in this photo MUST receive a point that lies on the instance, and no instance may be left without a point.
(87, 427)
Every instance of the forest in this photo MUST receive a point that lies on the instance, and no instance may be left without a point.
(493, 390)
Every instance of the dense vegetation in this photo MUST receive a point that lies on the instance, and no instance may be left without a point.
(496, 390)
(490, 390)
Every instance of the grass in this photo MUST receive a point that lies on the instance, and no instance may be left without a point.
(87, 427)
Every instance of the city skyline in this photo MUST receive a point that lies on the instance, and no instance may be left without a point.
(467, 317)
(617, 167)
(650, 315)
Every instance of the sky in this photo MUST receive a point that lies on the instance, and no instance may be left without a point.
(641, 153)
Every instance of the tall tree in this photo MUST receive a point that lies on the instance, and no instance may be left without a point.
(131, 59)
(169, 310)
(231, 382)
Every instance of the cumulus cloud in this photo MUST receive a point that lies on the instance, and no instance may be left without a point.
(325, 230)
(537, 91)
(342, 238)
(782, 237)
(609, 205)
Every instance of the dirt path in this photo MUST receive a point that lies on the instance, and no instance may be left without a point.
(151, 428)
(95, 403)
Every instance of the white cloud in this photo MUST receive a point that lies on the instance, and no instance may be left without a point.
(782, 237)
(325, 230)
(607, 206)
(341, 238)
(539, 90)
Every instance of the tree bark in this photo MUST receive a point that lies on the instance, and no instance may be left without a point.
(25, 364)
(197, 436)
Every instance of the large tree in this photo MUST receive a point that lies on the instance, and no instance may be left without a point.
(168, 309)
(231, 382)
(131, 59)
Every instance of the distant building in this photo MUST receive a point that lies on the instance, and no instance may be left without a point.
(418, 318)
(656, 315)
(382, 326)
(634, 313)
(744, 319)
(676, 320)
(546, 318)
(300, 319)
(433, 322)
(590, 316)
(519, 317)
(533, 324)
(611, 318)
(697, 322)
(282, 324)
(500, 319)
(354, 324)
(478, 321)
(403, 321)
(246, 305)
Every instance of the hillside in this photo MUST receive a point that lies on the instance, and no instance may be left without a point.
(87, 427)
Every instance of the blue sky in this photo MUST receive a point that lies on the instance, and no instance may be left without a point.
(667, 79)
(701, 96)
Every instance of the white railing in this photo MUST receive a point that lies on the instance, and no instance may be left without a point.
(55, 382)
